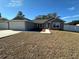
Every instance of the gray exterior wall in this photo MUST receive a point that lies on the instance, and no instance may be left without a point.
(50, 25)
(29, 26)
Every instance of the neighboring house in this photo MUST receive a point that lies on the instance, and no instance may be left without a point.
(49, 23)
(3, 23)
(3, 20)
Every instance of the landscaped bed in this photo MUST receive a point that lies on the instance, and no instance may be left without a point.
(34, 45)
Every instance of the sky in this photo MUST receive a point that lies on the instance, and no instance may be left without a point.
(67, 9)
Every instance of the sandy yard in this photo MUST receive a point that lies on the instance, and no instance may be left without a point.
(34, 45)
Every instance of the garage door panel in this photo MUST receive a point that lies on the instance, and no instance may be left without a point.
(17, 25)
(4, 25)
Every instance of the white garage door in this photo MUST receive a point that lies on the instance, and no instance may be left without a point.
(17, 25)
(4, 25)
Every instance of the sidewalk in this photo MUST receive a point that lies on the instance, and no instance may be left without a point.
(5, 33)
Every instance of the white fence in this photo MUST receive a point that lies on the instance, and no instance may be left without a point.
(71, 28)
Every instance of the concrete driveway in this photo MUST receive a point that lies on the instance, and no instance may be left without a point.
(5, 33)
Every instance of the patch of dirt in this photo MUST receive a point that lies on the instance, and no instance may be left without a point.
(33, 45)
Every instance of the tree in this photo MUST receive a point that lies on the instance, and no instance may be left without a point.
(41, 17)
(19, 16)
(48, 16)
(2, 19)
(0, 15)
(53, 15)
(74, 22)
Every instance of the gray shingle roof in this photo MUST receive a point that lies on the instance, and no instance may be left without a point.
(20, 18)
(17, 18)
(3, 19)
(44, 20)
(40, 21)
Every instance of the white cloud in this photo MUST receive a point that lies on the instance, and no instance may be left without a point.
(15, 3)
(70, 16)
(71, 8)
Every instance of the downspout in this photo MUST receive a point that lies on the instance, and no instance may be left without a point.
(25, 26)
(8, 25)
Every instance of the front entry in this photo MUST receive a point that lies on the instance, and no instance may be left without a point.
(48, 25)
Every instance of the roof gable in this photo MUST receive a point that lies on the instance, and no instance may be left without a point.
(46, 20)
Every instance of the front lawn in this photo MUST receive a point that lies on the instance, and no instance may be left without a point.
(34, 45)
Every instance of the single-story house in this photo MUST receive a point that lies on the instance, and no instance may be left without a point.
(49, 23)
(21, 23)
(3, 23)
(26, 24)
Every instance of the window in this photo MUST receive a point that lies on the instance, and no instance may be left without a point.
(56, 25)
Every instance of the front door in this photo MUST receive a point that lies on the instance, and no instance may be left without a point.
(47, 25)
